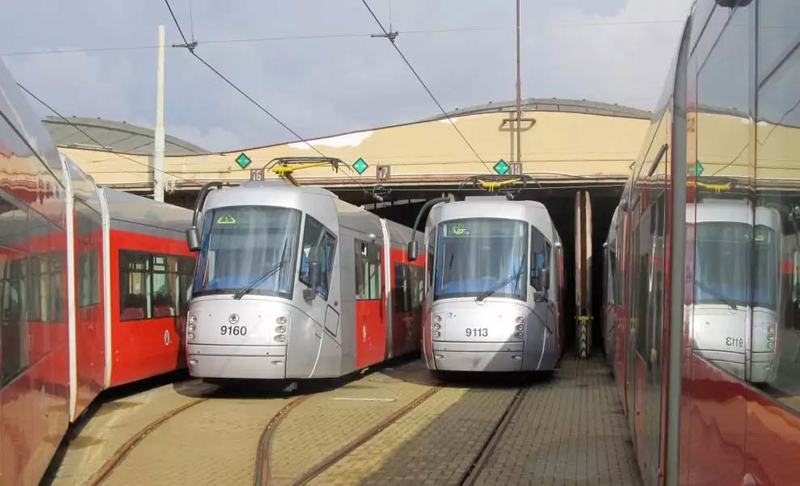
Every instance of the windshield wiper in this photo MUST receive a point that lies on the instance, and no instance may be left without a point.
(716, 294)
(499, 286)
(270, 271)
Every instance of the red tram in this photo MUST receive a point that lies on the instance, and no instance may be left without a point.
(702, 291)
(93, 287)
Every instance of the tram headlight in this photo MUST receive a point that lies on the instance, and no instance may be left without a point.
(519, 320)
(437, 319)
(281, 338)
(192, 318)
(519, 335)
(437, 335)
(190, 328)
(280, 329)
(191, 336)
(282, 320)
(771, 337)
(436, 326)
(520, 328)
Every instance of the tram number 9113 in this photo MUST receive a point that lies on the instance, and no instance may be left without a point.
(477, 332)
(734, 342)
(233, 330)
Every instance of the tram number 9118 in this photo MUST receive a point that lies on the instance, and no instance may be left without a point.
(477, 332)
(233, 330)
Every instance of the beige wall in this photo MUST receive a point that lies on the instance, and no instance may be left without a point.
(560, 145)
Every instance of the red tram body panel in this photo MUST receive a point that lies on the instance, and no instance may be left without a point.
(702, 297)
(61, 245)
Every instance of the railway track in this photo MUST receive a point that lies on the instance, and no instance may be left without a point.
(265, 443)
(119, 455)
(472, 473)
(338, 455)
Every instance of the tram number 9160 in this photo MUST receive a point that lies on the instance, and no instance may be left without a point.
(477, 332)
(233, 330)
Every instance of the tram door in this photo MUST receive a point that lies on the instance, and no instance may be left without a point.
(370, 306)
(647, 332)
(89, 326)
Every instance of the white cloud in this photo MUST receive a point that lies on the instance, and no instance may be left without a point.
(347, 140)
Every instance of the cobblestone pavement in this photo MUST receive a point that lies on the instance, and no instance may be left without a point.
(566, 430)
(115, 422)
(329, 421)
(570, 430)
(435, 444)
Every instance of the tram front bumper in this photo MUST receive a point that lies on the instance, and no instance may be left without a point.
(243, 362)
(474, 356)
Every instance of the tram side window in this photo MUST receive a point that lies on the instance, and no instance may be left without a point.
(540, 257)
(401, 295)
(87, 245)
(409, 286)
(14, 343)
(88, 279)
(45, 289)
(368, 274)
(776, 331)
(153, 286)
(320, 245)
(418, 286)
(134, 285)
(612, 276)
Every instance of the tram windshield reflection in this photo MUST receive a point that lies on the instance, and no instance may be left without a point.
(240, 243)
(475, 256)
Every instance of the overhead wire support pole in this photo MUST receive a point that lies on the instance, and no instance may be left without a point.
(158, 133)
(425, 86)
(519, 96)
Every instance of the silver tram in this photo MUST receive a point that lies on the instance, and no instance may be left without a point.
(495, 289)
(293, 283)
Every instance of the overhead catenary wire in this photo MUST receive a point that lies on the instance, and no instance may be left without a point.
(244, 40)
(191, 48)
(86, 134)
(425, 86)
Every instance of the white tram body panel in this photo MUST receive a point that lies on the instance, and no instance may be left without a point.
(275, 331)
(487, 306)
(721, 314)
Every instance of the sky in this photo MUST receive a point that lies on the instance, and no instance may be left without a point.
(313, 64)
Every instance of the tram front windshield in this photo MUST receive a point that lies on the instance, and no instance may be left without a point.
(726, 253)
(248, 247)
(479, 257)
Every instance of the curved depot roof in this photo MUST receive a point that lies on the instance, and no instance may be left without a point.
(552, 104)
(119, 137)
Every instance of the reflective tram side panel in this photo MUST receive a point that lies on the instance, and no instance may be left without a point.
(34, 383)
(88, 353)
(773, 399)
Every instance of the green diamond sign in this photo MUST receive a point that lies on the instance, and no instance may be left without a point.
(360, 165)
(697, 169)
(243, 160)
(501, 167)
